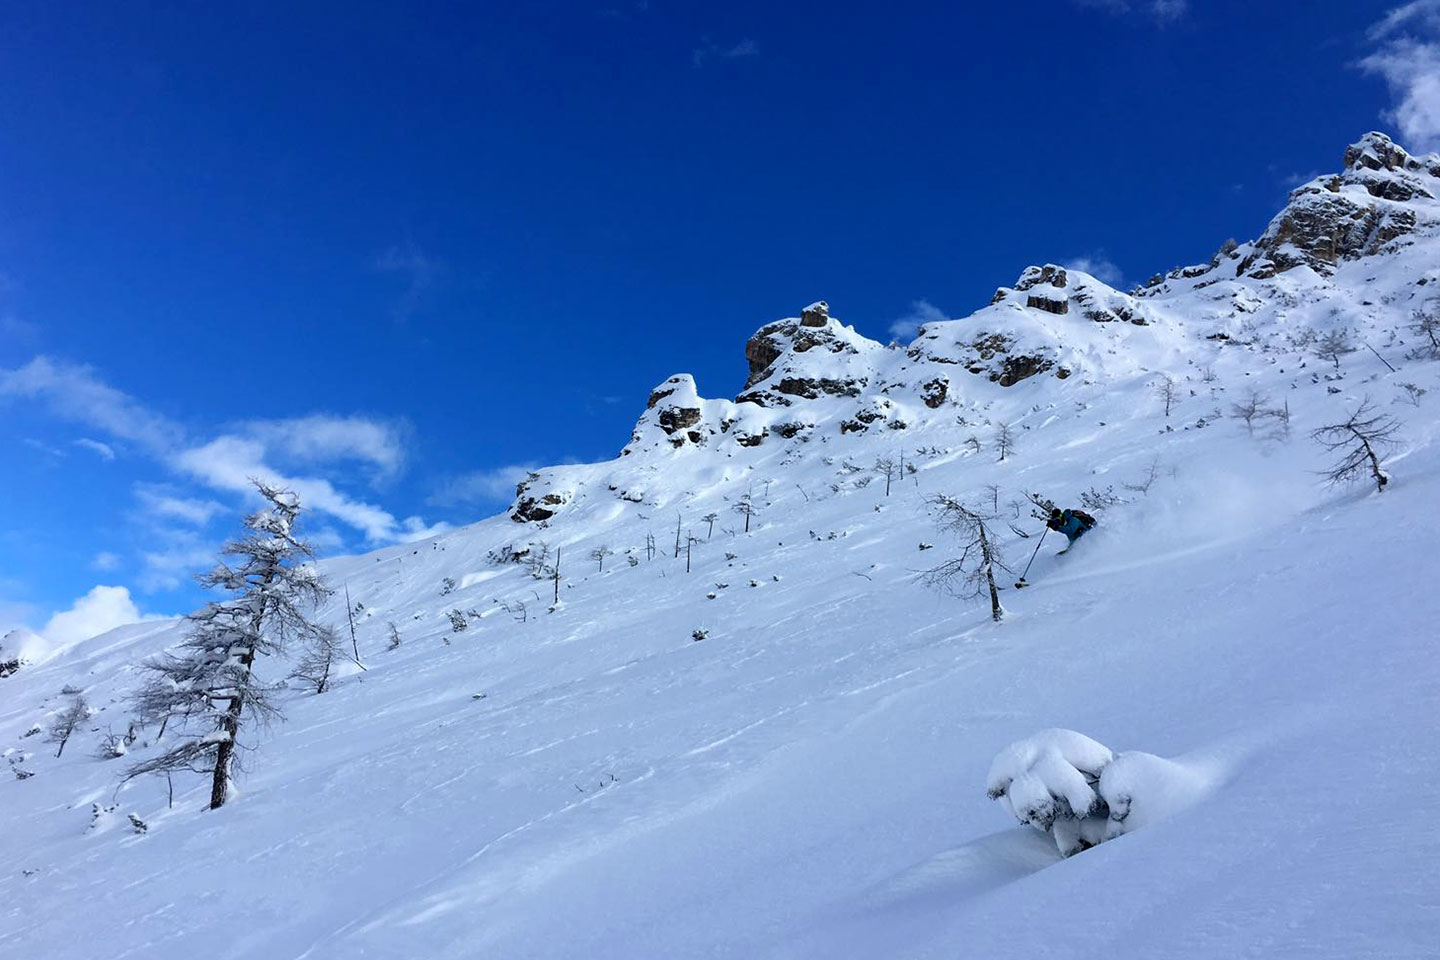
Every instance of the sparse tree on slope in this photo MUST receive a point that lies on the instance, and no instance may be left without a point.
(66, 721)
(746, 508)
(971, 576)
(318, 661)
(1169, 393)
(1334, 346)
(208, 687)
(1360, 441)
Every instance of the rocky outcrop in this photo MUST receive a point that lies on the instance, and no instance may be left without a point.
(1356, 213)
(815, 315)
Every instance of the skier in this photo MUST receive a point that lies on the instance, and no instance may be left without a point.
(1073, 523)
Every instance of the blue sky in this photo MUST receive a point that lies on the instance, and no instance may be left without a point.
(396, 255)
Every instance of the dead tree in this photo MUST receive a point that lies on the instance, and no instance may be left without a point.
(1334, 346)
(710, 519)
(1169, 393)
(66, 721)
(1428, 326)
(746, 508)
(677, 536)
(970, 576)
(599, 554)
(209, 687)
(649, 546)
(1360, 441)
(689, 542)
(889, 469)
(1250, 409)
(1004, 441)
(394, 636)
(317, 661)
(555, 575)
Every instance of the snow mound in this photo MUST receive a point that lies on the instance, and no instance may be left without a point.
(1077, 790)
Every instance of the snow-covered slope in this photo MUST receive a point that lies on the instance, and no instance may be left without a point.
(784, 752)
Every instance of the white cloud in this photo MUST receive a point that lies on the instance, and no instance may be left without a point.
(103, 608)
(420, 271)
(1160, 11)
(1098, 266)
(105, 561)
(715, 51)
(178, 556)
(229, 463)
(103, 450)
(921, 313)
(1407, 56)
(481, 487)
(73, 392)
(322, 438)
(162, 504)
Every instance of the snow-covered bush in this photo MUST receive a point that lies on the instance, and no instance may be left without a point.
(1077, 790)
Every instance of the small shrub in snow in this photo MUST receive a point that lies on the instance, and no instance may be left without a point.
(457, 620)
(1079, 792)
(138, 825)
(394, 636)
(699, 635)
(447, 586)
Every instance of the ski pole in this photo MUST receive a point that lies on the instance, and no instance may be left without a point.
(1033, 555)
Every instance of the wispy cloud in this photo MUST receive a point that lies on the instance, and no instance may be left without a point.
(105, 561)
(163, 504)
(1407, 56)
(1158, 11)
(102, 450)
(419, 270)
(1099, 266)
(921, 312)
(226, 462)
(73, 392)
(481, 487)
(709, 51)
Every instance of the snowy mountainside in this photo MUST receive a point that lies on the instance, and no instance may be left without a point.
(784, 751)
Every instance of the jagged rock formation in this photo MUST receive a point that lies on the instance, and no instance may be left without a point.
(812, 378)
(1355, 213)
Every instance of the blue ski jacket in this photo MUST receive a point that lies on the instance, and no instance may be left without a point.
(1073, 523)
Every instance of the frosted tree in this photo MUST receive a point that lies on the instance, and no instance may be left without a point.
(1360, 441)
(970, 576)
(65, 722)
(710, 519)
(208, 687)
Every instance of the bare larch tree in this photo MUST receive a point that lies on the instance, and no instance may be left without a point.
(1169, 393)
(1004, 441)
(746, 508)
(1250, 409)
(970, 576)
(889, 469)
(66, 721)
(317, 662)
(1360, 441)
(710, 519)
(208, 685)
(599, 554)
(1334, 346)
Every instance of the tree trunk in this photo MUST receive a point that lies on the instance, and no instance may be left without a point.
(995, 612)
(62, 746)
